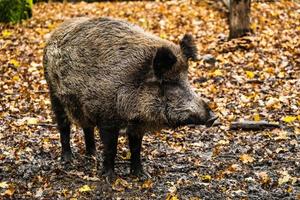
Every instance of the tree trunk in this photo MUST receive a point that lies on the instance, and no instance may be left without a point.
(15, 10)
(239, 18)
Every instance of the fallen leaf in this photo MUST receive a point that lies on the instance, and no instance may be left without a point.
(264, 177)
(272, 103)
(6, 33)
(85, 188)
(206, 178)
(127, 156)
(281, 135)
(9, 192)
(289, 119)
(172, 197)
(256, 117)
(120, 185)
(223, 142)
(39, 193)
(217, 72)
(3, 185)
(31, 121)
(14, 62)
(250, 74)
(246, 158)
(284, 179)
(16, 78)
(147, 184)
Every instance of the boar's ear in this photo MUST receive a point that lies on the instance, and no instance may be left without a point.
(163, 61)
(188, 47)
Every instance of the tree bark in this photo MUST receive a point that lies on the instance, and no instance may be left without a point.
(239, 18)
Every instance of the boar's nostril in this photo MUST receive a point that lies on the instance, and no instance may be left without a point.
(211, 121)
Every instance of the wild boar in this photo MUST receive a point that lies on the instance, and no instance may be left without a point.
(111, 74)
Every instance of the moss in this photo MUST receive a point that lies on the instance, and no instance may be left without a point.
(15, 10)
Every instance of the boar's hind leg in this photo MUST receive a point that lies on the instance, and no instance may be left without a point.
(135, 137)
(109, 136)
(89, 141)
(63, 124)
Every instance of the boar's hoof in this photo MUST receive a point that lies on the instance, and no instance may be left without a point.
(109, 176)
(143, 175)
(66, 157)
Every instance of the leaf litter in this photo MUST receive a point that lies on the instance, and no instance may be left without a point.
(256, 77)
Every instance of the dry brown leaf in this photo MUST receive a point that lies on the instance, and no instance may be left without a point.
(246, 158)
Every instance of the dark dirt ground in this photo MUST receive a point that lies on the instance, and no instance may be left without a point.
(255, 77)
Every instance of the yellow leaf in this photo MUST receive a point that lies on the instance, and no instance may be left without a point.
(250, 74)
(290, 189)
(31, 121)
(73, 198)
(120, 185)
(217, 72)
(65, 192)
(85, 188)
(16, 78)
(127, 157)
(206, 178)
(246, 158)
(3, 185)
(172, 197)
(6, 33)
(289, 119)
(256, 117)
(14, 62)
(147, 184)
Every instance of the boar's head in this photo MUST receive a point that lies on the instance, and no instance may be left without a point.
(179, 104)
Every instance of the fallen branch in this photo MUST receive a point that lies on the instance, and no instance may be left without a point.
(43, 124)
(253, 125)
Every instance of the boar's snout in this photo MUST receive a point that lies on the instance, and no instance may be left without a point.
(207, 118)
(197, 112)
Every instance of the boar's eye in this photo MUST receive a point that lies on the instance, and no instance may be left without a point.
(163, 61)
(188, 47)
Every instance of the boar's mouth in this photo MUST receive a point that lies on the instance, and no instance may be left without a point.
(211, 121)
(194, 121)
(191, 121)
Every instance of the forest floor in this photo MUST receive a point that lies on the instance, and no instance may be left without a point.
(256, 77)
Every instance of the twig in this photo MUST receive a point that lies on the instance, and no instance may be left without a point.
(253, 125)
(43, 124)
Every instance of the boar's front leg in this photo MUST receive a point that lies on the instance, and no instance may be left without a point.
(89, 141)
(135, 137)
(109, 136)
